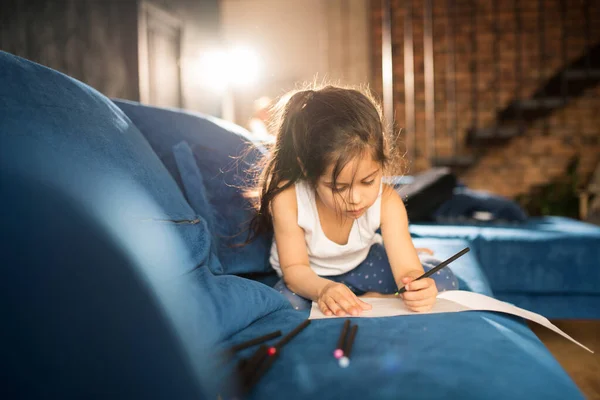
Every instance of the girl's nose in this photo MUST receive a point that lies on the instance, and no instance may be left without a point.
(355, 197)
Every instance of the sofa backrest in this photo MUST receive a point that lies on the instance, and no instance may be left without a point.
(223, 155)
(80, 317)
(106, 289)
(100, 246)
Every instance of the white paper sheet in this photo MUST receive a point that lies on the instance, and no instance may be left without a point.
(449, 301)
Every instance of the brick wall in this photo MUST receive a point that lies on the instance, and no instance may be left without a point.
(542, 153)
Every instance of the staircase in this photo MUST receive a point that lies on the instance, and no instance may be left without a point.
(567, 84)
(474, 45)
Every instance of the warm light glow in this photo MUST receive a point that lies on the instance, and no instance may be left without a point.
(244, 66)
(220, 69)
(210, 70)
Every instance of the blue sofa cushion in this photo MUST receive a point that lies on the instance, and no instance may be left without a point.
(194, 189)
(64, 135)
(466, 269)
(466, 355)
(63, 132)
(542, 255)
(223, 154)
(556, 306)
(82, 318)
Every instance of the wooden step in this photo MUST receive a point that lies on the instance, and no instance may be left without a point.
(577, 74)
(461, 161)
(576, 77)
(544, 102)
(492, 135)
(530, 109)
(569, 83)
(497, 132)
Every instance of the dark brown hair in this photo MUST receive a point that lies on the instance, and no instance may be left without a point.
(316, 128)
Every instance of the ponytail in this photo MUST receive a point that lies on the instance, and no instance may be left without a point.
(283, 164)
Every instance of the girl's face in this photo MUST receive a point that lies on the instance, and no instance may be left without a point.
(356, 188)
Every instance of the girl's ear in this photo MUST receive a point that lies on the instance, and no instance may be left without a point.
(301, 166)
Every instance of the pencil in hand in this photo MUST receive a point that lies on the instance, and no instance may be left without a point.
(437, 268)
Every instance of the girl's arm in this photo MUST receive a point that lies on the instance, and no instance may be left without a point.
(396, 237)
(291, 247)
(406, 266)
(298, 276)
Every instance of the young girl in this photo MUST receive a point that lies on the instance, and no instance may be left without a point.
(321, 193)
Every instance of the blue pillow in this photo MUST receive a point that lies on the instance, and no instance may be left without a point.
(466, 203)
(60, 134)
(223, 154)
(193, 185)
(234, 295)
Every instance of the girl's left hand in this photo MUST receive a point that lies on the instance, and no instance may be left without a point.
(420, 295)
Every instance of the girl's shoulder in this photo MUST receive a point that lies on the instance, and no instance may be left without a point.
(285, 201)
(387, 192)
(390, 198)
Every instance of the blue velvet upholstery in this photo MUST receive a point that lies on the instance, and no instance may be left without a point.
(223, 154)
(467, 355)
(556, 305)
(549, 265)
(81, 317)
(194, 189)
(466, 269)
(61, 134)
(550, 254)
(62, 131)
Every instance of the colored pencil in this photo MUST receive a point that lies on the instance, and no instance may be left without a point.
(339, 350)
(293, 333)
(350, 342)
(250, 379)
(252, 342)
(344, 361)
(262, 360)
(436, 269)
(249, 364)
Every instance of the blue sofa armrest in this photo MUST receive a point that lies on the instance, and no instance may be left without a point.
(466, 269)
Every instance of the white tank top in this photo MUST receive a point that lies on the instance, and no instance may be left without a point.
(326, 257)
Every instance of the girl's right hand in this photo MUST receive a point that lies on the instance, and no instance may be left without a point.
(337, 299)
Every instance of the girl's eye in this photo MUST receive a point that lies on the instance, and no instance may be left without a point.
(369, 183)
(340, 189)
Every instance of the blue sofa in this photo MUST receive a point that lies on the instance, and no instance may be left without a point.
(549, 265)
(119, 281)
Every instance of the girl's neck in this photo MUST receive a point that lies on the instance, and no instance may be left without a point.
(331, 218)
